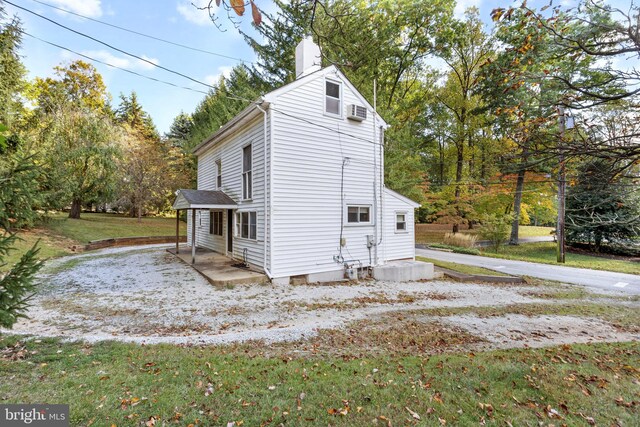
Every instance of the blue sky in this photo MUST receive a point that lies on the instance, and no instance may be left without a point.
(175, 20)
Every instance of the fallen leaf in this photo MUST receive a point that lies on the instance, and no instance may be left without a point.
(413, 414)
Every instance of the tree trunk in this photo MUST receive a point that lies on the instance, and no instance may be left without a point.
(517, 204)
(76, 208)
(140, 213)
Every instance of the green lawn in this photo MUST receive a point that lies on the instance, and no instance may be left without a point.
(126, 384)
(545, 252)
(97, 226)
(461, 268)
(59, 234)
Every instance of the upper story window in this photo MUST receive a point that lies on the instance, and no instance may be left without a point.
(247, 189)
(219, 174)
(333, 98)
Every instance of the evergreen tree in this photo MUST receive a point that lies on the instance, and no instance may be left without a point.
(602, 207)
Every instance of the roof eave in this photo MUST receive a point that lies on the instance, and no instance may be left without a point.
(231, 125)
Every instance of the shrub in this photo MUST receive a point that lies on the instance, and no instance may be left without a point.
(462, 240)
(496, 229)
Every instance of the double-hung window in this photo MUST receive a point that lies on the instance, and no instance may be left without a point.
(247, 189)
(215, 223)
(247, 225)
(401, 222)
(358, 214)
(219, 174)
(333, 98)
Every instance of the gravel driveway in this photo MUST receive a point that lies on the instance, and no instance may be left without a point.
(146, 295)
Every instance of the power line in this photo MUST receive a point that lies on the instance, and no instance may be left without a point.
(111, 65)
(141, 34)
(302, 119)
(115, 48)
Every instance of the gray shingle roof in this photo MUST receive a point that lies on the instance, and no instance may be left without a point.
(206, 198)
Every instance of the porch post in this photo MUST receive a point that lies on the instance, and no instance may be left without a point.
(193, 236)
(177, 231)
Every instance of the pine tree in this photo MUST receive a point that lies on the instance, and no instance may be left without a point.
(602, 208)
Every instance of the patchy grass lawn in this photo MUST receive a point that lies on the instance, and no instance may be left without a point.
(461, 268)
(59, 234)
(126, 384)
(545, 252)
(434, 233)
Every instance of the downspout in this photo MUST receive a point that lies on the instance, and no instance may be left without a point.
(266, 214)
(375, 181)
(382, 187)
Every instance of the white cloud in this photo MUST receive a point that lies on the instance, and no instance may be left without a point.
(145, 65)
(212, 79)
(90, 8)
(191, 13)
(121, 61)
(463, 5)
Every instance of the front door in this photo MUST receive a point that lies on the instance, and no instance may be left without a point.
(230, 230)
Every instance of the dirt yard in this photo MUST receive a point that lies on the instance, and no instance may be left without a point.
(146, 295)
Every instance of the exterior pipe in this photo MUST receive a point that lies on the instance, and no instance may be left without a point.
(375, 182)
(266, 228)
(193, 236)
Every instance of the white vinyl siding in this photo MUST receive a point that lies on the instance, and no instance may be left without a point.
(307, 173)
(229, 152)
(398, 244)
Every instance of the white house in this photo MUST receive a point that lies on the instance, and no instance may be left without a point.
(294, 183)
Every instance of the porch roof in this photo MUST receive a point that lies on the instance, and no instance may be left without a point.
(203, 199)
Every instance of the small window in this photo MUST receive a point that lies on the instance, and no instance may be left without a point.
(215, 223)
(333, 100)
(401, 222)
(358, 215)
(247, 225)
(247, 189)
(219, 174)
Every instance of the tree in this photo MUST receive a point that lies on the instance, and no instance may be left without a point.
(180, 130)
(150, 169)
(464, 53)
(230, 96)
(131, 113)
(78, 85)
(597, 39)
(81, 155)
(602, 206)
(495, 229)
(17, 183)
(12, 71)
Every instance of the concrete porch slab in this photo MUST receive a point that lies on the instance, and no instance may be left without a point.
(218, 269)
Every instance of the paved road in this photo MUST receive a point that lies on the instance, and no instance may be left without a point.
(603, 280)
